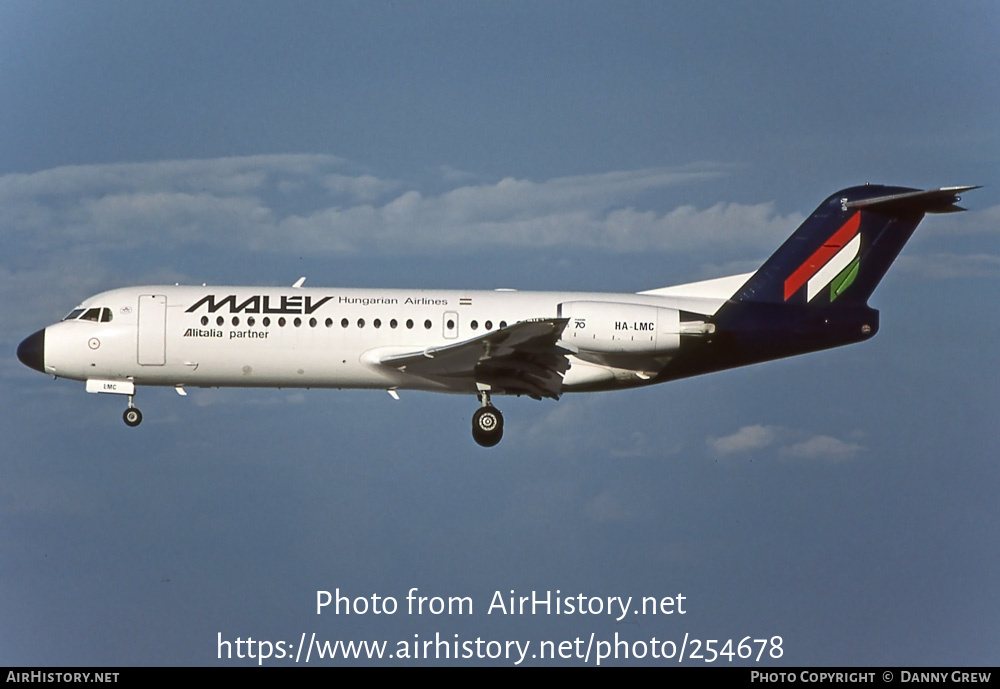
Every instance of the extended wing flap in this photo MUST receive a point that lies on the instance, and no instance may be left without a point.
(521, 359)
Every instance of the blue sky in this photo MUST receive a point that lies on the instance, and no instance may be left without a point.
(844, 500)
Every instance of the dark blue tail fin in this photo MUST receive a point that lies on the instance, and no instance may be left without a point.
(812, 294)
(839, 254)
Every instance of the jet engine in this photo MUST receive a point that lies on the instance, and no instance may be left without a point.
(613, 327)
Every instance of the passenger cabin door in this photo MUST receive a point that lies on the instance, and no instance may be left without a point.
(152, 330)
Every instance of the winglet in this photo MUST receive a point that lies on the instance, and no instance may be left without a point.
(298, 283)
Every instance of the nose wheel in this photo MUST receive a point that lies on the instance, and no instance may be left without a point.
(132, 415)
(487, 423)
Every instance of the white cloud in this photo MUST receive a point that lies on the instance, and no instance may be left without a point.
(67, 229)
(222, 176)
(746, 439)
(788, 443)
(180, 218)
(282, 204)
(362, 188)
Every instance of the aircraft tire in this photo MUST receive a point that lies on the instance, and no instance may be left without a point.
(487, 426)
(132, 417)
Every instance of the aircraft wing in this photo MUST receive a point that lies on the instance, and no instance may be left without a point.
(522, 359)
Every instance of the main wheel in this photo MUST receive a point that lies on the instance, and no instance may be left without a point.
(132, 416)
(487, 426)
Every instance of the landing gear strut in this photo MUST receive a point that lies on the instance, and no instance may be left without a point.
(487, 422)
(132, 415)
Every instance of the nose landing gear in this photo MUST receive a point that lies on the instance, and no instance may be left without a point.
(132, 415)
(487, 422)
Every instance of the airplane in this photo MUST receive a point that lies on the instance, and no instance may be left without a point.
(811, 294)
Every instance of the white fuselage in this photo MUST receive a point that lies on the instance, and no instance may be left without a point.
(316, 337)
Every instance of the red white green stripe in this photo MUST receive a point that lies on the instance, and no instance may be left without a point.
(828, 262)
(840, 262)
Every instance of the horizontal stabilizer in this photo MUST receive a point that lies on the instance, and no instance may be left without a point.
(933, 201)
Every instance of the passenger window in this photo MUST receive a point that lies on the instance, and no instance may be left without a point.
(409, 323)
(204, 320)
(393, 324)
(344, 322)
(427, 325)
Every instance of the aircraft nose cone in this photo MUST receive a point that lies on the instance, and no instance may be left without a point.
(31, 352)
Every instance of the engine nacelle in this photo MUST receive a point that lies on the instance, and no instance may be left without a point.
(609, 327)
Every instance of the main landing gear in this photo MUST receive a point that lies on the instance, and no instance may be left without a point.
(132, 415)
(487, 422)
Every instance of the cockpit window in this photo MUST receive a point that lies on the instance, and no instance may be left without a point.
(97, 315)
